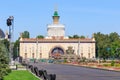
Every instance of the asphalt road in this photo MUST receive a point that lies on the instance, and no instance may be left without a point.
(67, 72)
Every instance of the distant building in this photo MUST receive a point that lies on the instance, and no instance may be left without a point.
(55, 43)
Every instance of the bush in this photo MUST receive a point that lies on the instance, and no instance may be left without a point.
(83, 59)
(9, 70)
(106, 65)
(65, 60)
(117, 65)
(112, 63)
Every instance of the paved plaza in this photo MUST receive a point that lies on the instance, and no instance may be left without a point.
(68, 72)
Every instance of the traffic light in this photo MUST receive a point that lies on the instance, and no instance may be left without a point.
(9, 22)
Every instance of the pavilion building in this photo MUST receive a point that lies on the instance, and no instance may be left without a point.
(56, 43)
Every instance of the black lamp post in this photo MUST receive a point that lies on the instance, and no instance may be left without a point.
(10, 24)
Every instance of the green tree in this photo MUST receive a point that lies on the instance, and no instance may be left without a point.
(16, 49)
(102, 42)
(106, 44)
(82, 37)
(114, 36)
(25, 34)
(4, 61)
(75, 36)
(40, 36)
(6, 43)
(114, 46)
(70, 37)
(114, 43)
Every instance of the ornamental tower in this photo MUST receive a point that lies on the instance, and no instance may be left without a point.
(55, 29)
(56, 18)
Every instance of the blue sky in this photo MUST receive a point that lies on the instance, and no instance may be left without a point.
(82, 17)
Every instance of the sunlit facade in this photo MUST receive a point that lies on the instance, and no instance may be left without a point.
(55, 43)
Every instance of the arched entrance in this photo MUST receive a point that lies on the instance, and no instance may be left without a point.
(56, 52)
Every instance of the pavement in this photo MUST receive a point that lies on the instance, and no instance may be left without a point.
(77, 72)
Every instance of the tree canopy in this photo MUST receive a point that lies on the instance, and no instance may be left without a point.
(107, 45)
(40, 36)
(25, 34)
(16, 49)
(76, 36)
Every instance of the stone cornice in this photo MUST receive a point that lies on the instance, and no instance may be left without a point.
(34, 40)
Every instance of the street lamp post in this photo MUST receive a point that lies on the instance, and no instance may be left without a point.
(10, 24)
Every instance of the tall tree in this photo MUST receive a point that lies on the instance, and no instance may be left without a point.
(6, 43)
(101, 40)
(16, 49)
(25, 34)
(114, 36)
(4, 61)
(114, 46)
(106, 44)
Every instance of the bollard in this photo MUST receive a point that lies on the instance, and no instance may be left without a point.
(45, 74)
(52, 76)
(29, 66)
(32, 70)
(35, 70)
(16, 67)
(40, 72)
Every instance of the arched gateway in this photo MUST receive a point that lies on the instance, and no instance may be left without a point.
(56, 52)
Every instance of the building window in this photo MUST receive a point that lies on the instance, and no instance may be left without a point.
(40, 55)
(88, 55)
(25, 55)
(81, 54)
(33, 55)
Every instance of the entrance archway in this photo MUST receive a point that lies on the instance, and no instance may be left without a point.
(56, 52)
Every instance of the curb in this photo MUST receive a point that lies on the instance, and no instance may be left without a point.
(95, 67)
(106, 69)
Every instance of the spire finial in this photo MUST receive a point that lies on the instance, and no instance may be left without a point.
(56, 7)
(56, 11)
(56, 16)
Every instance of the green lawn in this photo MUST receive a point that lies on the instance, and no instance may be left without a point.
(20, 75)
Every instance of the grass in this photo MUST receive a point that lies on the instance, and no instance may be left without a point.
(20, 75)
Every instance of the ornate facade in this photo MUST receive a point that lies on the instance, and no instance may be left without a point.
(56, 43)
